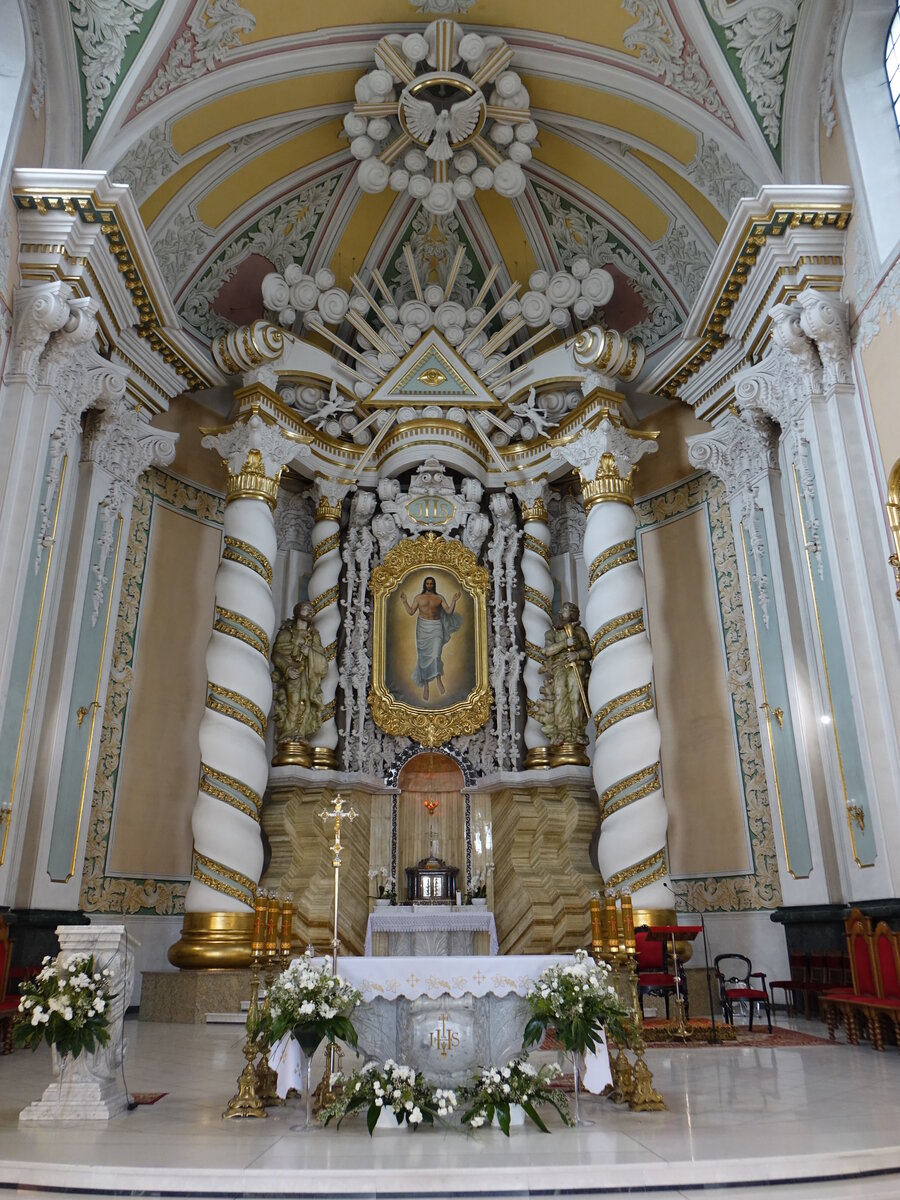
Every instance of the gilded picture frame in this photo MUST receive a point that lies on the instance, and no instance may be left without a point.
(430, 653)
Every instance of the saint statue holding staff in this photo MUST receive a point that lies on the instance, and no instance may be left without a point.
(436, 622)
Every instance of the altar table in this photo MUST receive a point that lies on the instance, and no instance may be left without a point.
(437, 931)
(443, 1015)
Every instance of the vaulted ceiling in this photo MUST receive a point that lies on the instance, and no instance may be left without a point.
(226, 118)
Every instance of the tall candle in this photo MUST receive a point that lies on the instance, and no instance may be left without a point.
(272, 924)
(612, 925)
(628, 923)
(259, 923)
(287, 919)
(596, 926)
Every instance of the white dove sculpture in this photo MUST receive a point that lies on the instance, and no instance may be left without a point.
(441, 129)
(529, 411)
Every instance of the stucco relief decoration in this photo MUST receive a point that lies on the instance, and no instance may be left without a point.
(664, 50)
(213, 28)
(761, 35)
(102, 28)
(441, 116)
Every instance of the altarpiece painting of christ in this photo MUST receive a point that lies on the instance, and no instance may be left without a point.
(429, 674)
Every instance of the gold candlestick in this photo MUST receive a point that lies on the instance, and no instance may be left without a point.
(337, 813)
(247, 1102)
(287, 929)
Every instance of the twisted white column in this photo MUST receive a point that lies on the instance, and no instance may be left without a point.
(234, 767)
(536, 610)
(631, 850)
(323, 592)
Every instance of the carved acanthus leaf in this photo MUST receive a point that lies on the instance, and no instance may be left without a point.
(103, 28)
(214, 28)
(294, 521)
(825, 318)
(585, 451)
(275, 448)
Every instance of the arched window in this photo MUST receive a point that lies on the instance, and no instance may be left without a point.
(892, 63)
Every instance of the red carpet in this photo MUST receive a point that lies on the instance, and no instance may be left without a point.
(147, 1097)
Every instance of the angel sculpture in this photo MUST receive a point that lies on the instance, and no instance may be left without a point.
(332, 407)
(528, 410)
(426, 124)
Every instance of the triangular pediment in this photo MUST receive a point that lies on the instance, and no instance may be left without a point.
(432, 373)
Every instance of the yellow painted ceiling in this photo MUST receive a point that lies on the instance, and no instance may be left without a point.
(619, 134)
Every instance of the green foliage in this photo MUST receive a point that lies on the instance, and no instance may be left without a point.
(495, 1088)
(577, 1000)
(390, 1087)
(65, 1005)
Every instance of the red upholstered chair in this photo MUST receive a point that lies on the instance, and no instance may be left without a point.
(736, 986)
(9, 1005)
(800, 983)
(853, 1002)
(654, 976)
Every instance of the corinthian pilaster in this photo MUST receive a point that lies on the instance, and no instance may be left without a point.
(536, 610)
(631, 849)
(323, 592)
(228, 853)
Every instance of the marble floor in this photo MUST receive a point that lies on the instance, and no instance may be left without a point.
(743, 1122)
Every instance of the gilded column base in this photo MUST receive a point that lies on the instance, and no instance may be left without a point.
(538, 757)
(322, 758)
(211, 940)
(569, 754)
(664, 916)
(292, 754)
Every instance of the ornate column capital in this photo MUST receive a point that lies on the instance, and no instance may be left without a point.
(329, 495)
(533, 497)
(39, 310)
(738, 451)
(605, 457)
(254, 453)
(124, 444)
(246, 350)
(825, 318)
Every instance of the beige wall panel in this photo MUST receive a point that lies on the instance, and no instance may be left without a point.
(157, 788)
(670, 464)
(707, 819)
(834, 166)
(880, 361)
(186, 417)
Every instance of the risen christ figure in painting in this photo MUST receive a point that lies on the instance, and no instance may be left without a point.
(436, 622)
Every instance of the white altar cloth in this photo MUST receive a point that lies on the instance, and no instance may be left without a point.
(433, 920)
(412, 978)
(497, 975)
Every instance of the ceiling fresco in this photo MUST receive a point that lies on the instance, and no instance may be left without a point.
(643, 122)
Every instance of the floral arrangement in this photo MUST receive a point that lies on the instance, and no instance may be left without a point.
(578, 1001)
(310, 1003)
(391, 1087)
(496, 1088)
(385, 883)
(478, 886)
(66, 1005)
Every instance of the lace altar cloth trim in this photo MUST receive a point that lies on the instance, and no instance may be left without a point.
(445, 920)
(496, 975)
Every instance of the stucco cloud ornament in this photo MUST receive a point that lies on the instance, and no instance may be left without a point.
(447, 102)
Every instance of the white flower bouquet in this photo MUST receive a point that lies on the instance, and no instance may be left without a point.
(578, 1001)
(496, 1088)
(478, 886)
(310, 1003)
(394, 1088)
(66, 1005)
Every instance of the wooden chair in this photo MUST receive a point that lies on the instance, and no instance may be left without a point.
(9, 1005)
(737, 987)
(800, 983)
(855, 1004)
